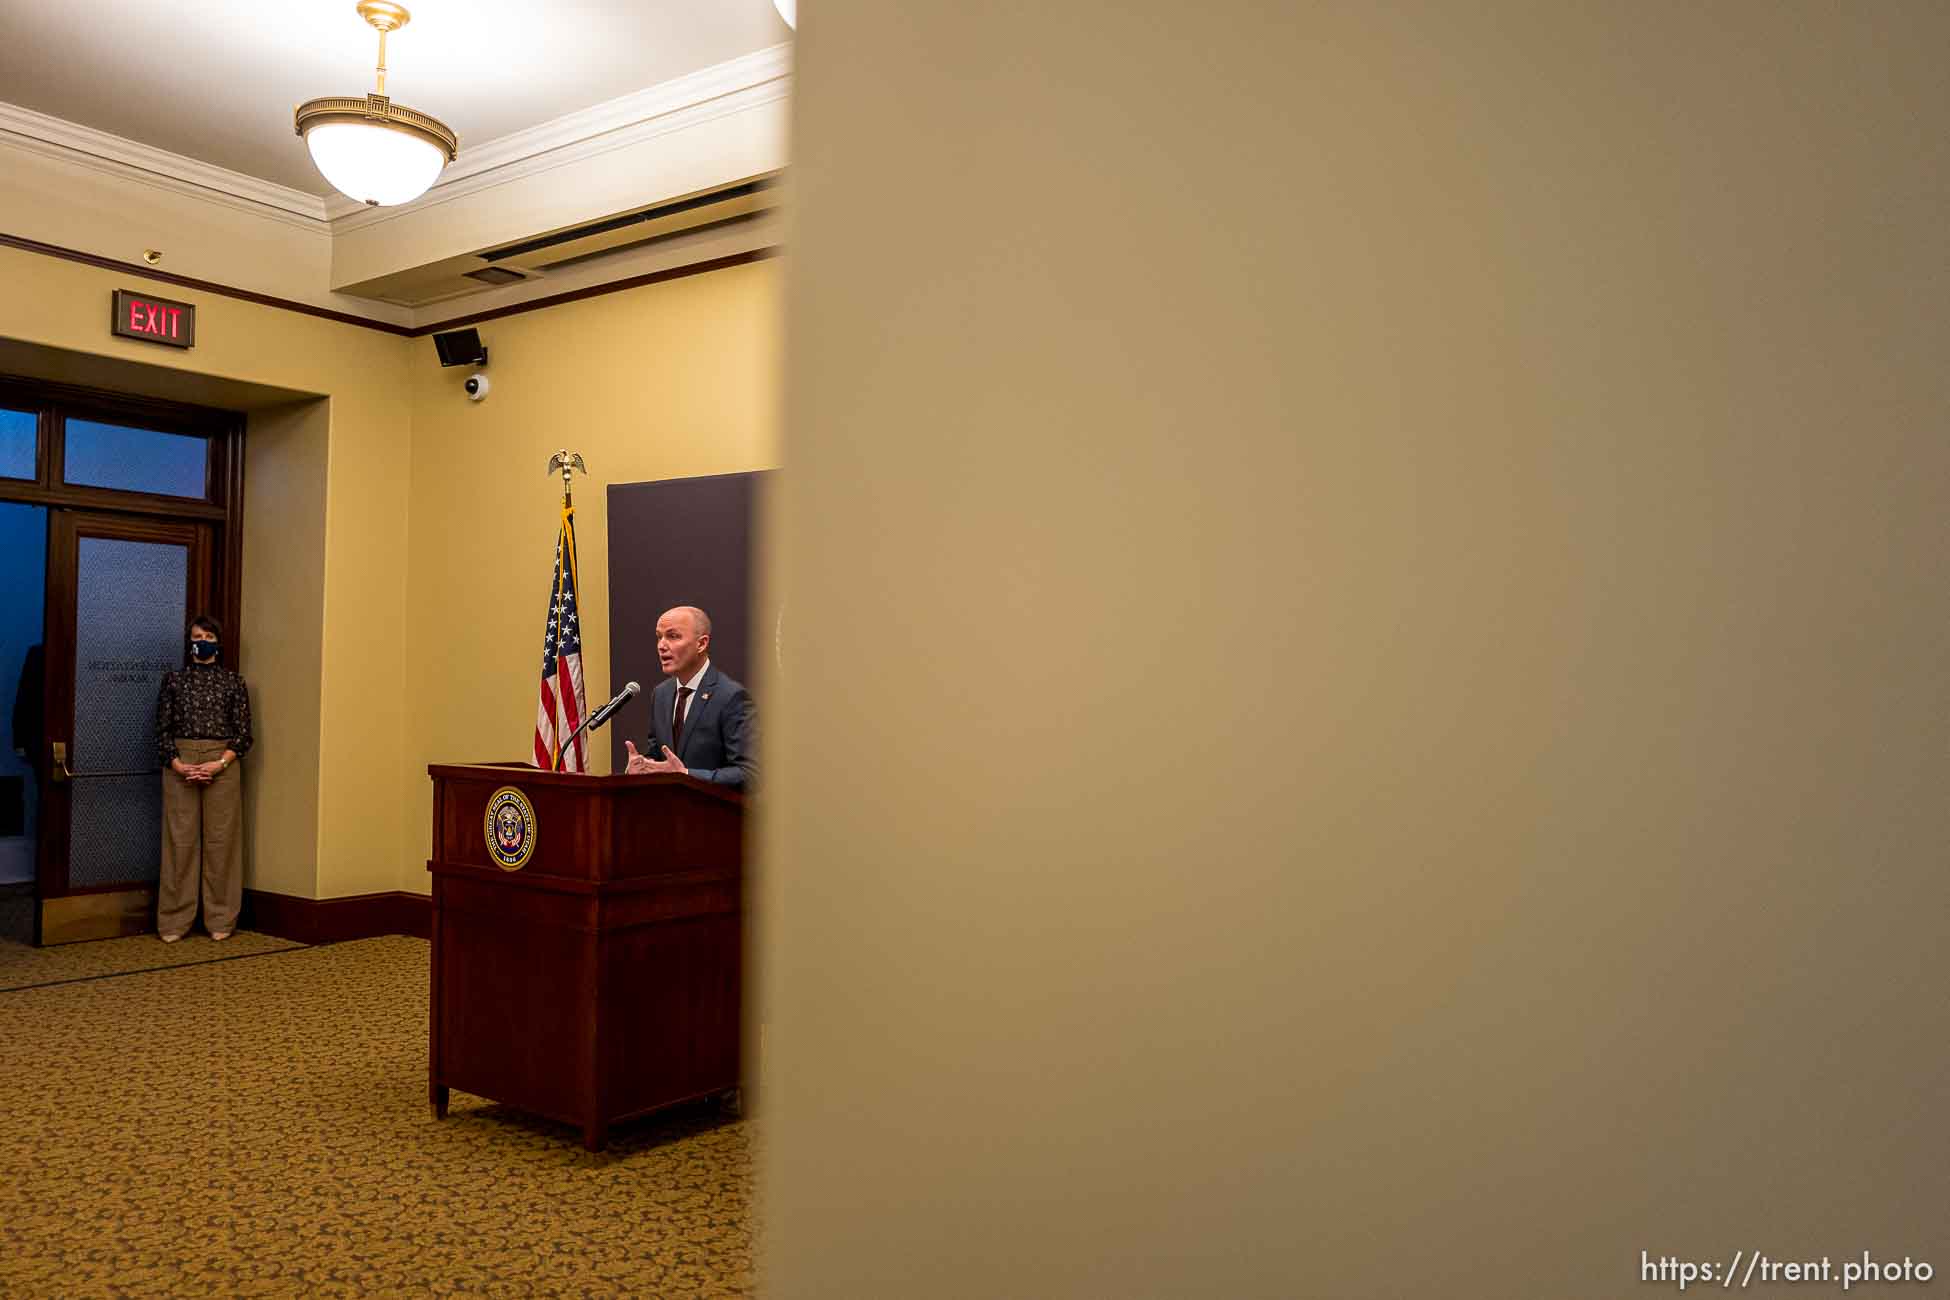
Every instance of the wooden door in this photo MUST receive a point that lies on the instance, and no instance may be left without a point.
(121, 591)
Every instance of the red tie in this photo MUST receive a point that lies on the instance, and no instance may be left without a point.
(677, 719)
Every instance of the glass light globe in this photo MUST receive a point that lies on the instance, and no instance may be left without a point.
(375, 164)
(788, 10)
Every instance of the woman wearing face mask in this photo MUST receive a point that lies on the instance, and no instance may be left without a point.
(203, 726)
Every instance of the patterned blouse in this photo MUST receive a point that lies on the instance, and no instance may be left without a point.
(202, 703)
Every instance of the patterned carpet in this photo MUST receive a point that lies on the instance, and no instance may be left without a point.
(22, 965)
(260, 1128)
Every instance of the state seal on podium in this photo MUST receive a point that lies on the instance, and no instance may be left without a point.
(510, 828)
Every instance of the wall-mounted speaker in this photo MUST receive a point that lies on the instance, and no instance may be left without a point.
(460, 348)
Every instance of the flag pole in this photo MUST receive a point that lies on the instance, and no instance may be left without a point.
(569, 462)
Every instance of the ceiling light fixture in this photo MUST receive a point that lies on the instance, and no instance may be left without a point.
(372, 149)
(788, 10)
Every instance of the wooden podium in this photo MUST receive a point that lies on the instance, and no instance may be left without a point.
(600, 977)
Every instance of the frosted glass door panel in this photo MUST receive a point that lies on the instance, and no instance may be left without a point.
(130, 599)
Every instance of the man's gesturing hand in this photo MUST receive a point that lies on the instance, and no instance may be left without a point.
(638, 764)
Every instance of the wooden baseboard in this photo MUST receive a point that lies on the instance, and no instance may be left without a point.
(335, 920)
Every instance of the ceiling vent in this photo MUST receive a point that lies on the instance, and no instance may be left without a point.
(679, 216)
(495, 275)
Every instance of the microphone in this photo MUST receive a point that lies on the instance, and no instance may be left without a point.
(597, 719)
(624, 696)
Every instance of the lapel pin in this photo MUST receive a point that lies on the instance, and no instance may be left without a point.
(705, 696)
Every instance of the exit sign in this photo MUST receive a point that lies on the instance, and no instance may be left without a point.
(153, 320)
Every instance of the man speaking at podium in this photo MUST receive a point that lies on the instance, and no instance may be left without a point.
(701, 721)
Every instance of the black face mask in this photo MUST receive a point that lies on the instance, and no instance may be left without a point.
(204, 650)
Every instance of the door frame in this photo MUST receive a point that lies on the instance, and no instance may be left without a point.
(217, 516)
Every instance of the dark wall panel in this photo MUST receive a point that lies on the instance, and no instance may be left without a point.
(683, 541)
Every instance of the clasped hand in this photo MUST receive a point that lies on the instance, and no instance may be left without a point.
(200, 773)
(639, 765)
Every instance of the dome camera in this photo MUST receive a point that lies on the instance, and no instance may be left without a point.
(476, 386)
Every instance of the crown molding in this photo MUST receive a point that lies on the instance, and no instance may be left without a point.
(734, 86)
(419, 326)
(743, 96)
(35, 246)
(114, 155)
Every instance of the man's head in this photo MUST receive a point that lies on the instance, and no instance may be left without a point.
(683, 640)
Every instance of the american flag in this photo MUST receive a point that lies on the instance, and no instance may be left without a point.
(563, 705)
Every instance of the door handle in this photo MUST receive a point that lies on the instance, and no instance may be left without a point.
(60, 773)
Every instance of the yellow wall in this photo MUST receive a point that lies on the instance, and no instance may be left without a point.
(1376, 721)
(665, 381)
(283, 633)
(328, 814)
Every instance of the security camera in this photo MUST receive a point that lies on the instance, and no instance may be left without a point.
(476, 386)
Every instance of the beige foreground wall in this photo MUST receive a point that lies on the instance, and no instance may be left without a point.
(1370, 717)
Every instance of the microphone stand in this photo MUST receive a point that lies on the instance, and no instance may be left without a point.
(563, 752)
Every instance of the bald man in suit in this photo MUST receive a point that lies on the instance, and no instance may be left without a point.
(701, 721)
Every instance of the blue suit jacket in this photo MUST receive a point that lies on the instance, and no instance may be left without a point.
(720, 742)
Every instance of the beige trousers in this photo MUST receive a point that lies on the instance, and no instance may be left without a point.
(202, 842)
